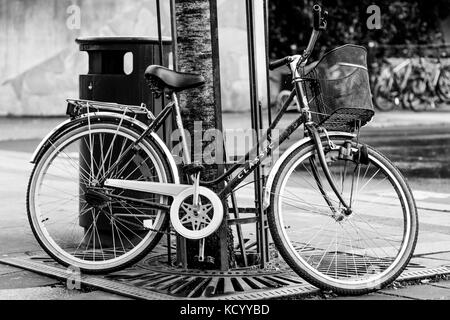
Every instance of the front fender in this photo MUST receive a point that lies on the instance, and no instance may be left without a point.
(285, 155)
(64, 126)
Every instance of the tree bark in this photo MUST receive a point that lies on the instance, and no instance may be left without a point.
(197, 52)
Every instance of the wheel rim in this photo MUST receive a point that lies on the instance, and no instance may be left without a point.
(92, 251)
(361, 261)
(444, 84)
(417, 96)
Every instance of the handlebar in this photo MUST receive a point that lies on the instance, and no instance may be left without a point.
(316, 16)
(319, 24)
(319, 18)
(279, 63)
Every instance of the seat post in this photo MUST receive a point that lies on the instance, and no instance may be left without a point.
(179, 121)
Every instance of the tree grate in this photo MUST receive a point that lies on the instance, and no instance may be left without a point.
(153, 278)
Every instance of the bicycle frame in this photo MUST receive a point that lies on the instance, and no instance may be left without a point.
(172, 107)
(297, 62)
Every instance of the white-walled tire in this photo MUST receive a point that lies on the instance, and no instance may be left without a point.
(353, 254)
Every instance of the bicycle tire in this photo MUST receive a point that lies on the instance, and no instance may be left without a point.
(382, 99)
(417, 95)
(443, 88)
(49, 244)
(288, 249)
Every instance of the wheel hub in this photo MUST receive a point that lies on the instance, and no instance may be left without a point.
(96, 197)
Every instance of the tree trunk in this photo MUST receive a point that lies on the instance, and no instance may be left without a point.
(197, 52)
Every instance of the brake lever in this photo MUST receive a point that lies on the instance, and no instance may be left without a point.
(324, 19)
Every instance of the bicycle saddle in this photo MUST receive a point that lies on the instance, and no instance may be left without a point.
(174, 80)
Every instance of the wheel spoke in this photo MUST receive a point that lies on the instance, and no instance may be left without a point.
(89, 229)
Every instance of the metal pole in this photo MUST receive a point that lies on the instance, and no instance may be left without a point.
(158, 17)
(269, 110)
(266, 42)
(166, 128)
(181, 242)
(173, 31)
(160, 50)
(255, 115)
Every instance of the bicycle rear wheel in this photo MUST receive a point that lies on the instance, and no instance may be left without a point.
(79, 222)
(348, 254)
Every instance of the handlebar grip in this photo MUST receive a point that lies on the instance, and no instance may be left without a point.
(279, 63)
(317, 9)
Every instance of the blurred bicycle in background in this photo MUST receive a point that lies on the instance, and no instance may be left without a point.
(417, 83)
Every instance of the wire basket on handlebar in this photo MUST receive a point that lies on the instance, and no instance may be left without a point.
(338, 89)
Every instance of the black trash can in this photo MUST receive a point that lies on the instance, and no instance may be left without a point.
(107, 81)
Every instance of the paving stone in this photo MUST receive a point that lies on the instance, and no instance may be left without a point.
(374, 296)
(421, 292)
(444, 257)
(25, 279)
(5, 269)
(38, 293)
(441, 284)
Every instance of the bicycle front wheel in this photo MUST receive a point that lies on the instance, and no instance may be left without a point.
(81, 223)
(348, 254)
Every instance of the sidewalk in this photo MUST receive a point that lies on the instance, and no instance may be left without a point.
(17, 284)
(37, 128)
(422, 290)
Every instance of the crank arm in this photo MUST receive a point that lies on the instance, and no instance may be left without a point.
(201, 250)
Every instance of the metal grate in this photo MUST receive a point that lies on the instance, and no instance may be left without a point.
(153, 278)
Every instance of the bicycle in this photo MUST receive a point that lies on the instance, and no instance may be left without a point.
(103, 165)
(429, 84)
(393, 85)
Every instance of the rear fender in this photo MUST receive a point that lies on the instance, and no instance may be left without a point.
(69, 124)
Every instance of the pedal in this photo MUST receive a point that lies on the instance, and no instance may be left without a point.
(193, 168)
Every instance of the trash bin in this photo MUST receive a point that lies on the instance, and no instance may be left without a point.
(116, 74)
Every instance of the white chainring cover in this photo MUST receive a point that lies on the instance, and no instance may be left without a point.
(200, 221)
